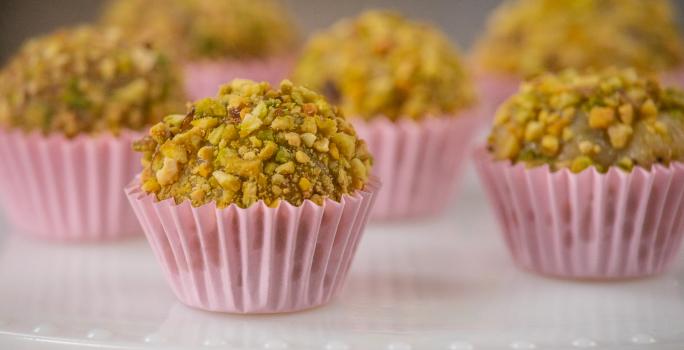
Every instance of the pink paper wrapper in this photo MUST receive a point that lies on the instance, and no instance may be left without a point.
(588, 225)
(419, 162)
(68, 189)
(674, 77)
(203, 79)
(258, 259)
(494, 89)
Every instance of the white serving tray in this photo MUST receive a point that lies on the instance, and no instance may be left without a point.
(445, 283)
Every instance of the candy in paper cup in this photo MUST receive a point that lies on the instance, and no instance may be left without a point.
(258, 259)
(68, 189)
(419, 162)
(203, 78)
(588, 225)
(494, 89)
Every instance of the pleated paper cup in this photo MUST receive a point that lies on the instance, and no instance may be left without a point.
(674, 78)
(68, 189)
(203, 78)
(493, 89)
(588, 225)
(419, 162)
(258, 259)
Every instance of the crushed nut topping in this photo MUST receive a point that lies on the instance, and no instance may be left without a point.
(287, 144)
(86, 80)
(601, 119)
(382, 64)
(527, 37)
(207, 29)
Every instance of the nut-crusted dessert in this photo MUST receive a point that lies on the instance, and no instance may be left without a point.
(382, 64)
(86, 80)
(207, 29)
(603, 119)
(526, 37)
(253, 142)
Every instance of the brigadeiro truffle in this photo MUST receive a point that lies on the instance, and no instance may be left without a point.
(585, 174)
(71, 103)
(266, 190)
(405, 88)
(528, 37)
(216, 40)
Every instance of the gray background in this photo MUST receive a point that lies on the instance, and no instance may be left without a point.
(461, 19)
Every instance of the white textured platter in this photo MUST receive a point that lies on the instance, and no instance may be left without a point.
(444, 284)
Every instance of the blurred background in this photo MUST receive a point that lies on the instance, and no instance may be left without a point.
(461, 19)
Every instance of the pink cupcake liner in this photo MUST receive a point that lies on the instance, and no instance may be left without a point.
(419, 162)
(258, 259)
(494, 89)
(674, 77)
(68, 189)
(587, 225)
(203, 79)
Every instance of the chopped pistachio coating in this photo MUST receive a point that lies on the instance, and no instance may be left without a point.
(604, 119)
(526, 37)
(253, 142)
(382, 64)
(86, 80)
(207, 29)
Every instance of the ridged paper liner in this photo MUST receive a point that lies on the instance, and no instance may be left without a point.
(203, 78)
(419, 162)
(68, 189)
(587, 225)
(674, 77)
(258, 259)
(494, 89)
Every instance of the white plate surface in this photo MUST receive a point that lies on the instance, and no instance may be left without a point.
(446, 283)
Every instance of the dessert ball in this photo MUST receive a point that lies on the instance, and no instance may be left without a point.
(382, 64)
(253, 142)
(86, 80)
(207, 29)
(526, 37)
(602, 119)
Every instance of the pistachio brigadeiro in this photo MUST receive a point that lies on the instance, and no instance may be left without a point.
(382, 64)
(253, 142)
(86, 80)
(207, 29)
(526, 37)
(604, 119)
